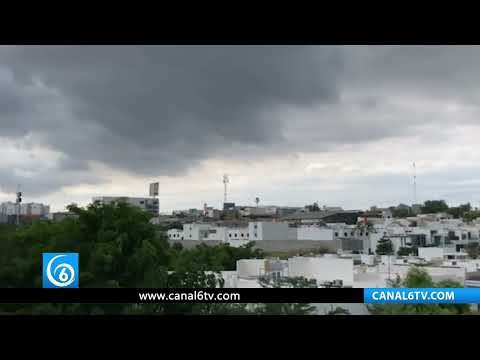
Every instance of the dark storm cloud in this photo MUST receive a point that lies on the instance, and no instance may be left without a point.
(161, 109)
(157, 110)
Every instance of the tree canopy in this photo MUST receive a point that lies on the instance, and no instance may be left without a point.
(384, 247)
(419, 278)
(434, 206)
(118, 247)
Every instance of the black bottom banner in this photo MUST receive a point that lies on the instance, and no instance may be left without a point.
(127, 296)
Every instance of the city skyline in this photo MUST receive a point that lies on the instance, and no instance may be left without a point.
(341, 125)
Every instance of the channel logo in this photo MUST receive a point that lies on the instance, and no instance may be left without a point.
(60, 270)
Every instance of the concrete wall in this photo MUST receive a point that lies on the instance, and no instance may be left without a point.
(270, 231)
(322, 269)
(430, 253)
(314, 233)
(237, 233)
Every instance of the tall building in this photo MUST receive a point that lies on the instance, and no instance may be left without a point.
(8, 208)
(26, 209)
(151, 205)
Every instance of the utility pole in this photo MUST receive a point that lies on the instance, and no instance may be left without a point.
(18, 204)
(225, 182)
(414, 183)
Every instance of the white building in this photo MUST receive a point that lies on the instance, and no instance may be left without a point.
(431, 253)
(175, 234)
(190, 232)
(201, 231)
(9, 208)
(323, 269)
(258, 211)
(263, 230)
(150, 205)
(313, 232)
(25, 209)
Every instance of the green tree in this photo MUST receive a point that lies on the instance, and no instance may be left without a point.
(384, 247)
(419, 278)
(471, 215)
(118, 247)
(473, 250)
(434, 206)
(400, 213)
(460, 211)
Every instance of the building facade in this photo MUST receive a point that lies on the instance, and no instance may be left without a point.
(150, 205)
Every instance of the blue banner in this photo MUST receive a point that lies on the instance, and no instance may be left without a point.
(421, 295)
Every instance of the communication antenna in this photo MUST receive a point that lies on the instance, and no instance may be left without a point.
(414, 183)
(225, 182)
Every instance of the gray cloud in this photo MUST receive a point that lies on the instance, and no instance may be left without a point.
(157, 110)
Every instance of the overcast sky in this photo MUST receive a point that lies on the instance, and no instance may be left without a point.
(340, 125)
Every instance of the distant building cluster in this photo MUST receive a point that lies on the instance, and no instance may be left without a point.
(355, 270)
(10, 211)
(149, 204)
(353, 231)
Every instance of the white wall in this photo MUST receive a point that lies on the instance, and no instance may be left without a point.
(217, 233)
(175, 234)
(262, 230)
(430, 253)
(250, 268)
(237, 234)
(306, 232)
(9, 208)
(322, 269)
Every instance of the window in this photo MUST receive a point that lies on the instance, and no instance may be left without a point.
(241, 234)
(361, 233)
(229, 235)
(366, 233)
(336, 234)
(352, 233)
(255, 226)
(236, 235)
(255, 234)
(345, 234)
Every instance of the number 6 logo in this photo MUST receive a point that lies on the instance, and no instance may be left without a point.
(61, 275)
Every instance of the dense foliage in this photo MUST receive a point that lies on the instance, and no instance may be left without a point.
(419, 278)
(118, 247)
(384, 247)
(434, 206)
